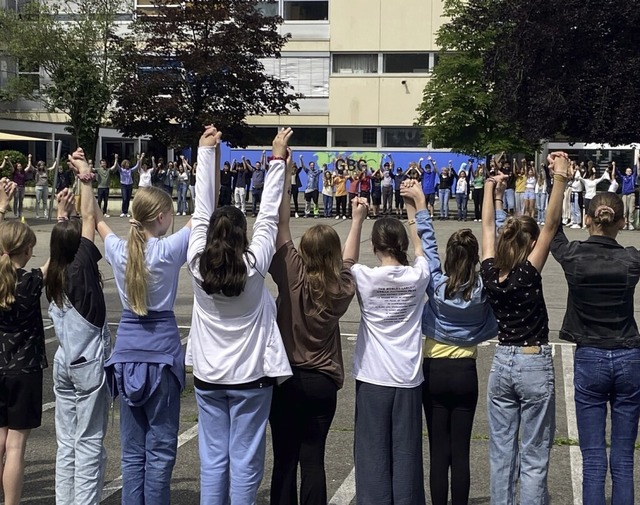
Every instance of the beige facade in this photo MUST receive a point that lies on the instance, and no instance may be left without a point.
(361, 66)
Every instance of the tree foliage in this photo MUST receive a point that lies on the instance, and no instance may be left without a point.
(74, 46)
(197, 64)
(515, 72)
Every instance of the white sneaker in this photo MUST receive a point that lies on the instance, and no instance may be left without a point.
(575, 226)
(337, 217)
(123, 215)
(631, 227)
(297, 215)
(344, 217)
(368, 217)
(107, 215)
(542, 223)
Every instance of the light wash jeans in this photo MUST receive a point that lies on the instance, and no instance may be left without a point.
(521, 394)
(509, 200)
(603, 377)
(232, 426)
(42, 198)
(461, 203)
(239, 199)
(576, 212)
(82, 403)
(182, 198)
(541, 206)
(149, 438)
(443, 195)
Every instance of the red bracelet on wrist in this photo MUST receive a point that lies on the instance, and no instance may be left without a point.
(276, 158)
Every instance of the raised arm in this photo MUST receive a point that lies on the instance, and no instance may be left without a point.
(493, 199)
(559, 164)
(265, 229)
(302, 165)
(392, 164)
(88, 202)
(284, 214)
(116, 164)
(206, 194)
(352, 244)
(139, 160)
(414, 202)
(29, 167)
(263, 158)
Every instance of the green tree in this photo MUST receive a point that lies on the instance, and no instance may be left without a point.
(516, 72)
(197, 64)
(74, 45)
(458, 109)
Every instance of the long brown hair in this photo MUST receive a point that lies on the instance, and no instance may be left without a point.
(390, 237)
(461, 263)
(321, 253)
(515, 242)
(222, 265)
(15, 238)
(147, 205)
(63, 246)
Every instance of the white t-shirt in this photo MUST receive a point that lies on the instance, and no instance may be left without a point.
(145, 178)
(389, 346)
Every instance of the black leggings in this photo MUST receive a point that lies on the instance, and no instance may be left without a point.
(341, 205)
(478, 196)
(294, 195)
(302, 410)
(449, 397)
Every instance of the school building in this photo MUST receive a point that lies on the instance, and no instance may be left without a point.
(360, 65)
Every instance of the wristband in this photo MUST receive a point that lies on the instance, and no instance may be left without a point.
(63, 218)
(277, 158)
(410, 222)
(498, 200)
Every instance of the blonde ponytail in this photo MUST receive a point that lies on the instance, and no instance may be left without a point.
(136, 273)
(15, 238)
(147, 205)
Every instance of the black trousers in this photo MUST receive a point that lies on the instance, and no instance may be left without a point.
(449, 398)
(302, 411)
(341, 205)
(225, 196)
(103, 199)
(478, 197)
(294, 195)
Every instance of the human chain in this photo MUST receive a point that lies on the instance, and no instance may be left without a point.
(252, 367)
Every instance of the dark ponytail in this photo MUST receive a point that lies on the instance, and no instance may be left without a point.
(390, 237)
(222, 264)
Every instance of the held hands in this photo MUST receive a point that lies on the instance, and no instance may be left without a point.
(66, 203)
(7, 190)
(211, 137)
(78, 162)
(281, 143)
(559, 163)
(412, 190)
(360, 209)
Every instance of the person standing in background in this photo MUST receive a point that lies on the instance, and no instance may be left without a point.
(42, 188)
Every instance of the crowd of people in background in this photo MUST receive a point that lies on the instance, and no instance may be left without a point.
(259, 360)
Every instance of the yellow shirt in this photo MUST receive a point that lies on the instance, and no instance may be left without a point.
(521, 183)
(433, 349)
(341, 185)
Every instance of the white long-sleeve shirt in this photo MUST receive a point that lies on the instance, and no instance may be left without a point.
(590, 186)
(235, 340)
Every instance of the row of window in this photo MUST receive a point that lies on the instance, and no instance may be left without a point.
(296, 10)
(343, 137)
(389, 63)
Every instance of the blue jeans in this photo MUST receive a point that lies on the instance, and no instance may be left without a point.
(327, 207)
(602, 377)
(541, 205)
(149, 438)
(509, 200)
(257, 199)
(182, 198)
(521, 393)
(127, 191)
(576, 211)
(461, 202)
(443, 195)
(232, 426)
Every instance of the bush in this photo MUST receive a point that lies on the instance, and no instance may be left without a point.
(14, 157)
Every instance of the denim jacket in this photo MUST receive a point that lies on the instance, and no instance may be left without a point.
(452, 321)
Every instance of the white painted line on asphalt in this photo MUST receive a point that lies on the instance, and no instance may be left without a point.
(48, 406)
(572, 426)
(49, 340)
(346, 492)
(116, 485)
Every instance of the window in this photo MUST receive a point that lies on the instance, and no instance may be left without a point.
(401, 137)
(306, 10)
(316, 137)
(309, 76)
(268, 7)
(406, 63)
(30, 73)
(355, 63)
(261, 135)
(354, 137)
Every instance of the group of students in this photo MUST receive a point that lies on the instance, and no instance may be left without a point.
(257, 360)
